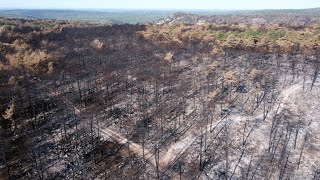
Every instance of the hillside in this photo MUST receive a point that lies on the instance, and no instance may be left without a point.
(294, 17)
(114, 16)
(180, 99)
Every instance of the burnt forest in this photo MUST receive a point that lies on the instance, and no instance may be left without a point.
(188, 96)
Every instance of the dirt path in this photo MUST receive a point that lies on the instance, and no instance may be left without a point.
(284, 96)
(178, 148)
(181, 146)
(119, 138)
(133, 147)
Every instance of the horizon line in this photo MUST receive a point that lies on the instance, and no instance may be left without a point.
(156, 9)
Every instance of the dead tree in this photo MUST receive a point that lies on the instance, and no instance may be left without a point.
(302, 148)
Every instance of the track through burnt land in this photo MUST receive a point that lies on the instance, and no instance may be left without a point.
(187, 97)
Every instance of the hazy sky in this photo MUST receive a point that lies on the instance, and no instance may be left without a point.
(159, 4)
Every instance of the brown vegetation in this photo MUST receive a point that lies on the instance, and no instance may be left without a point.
(158, 101)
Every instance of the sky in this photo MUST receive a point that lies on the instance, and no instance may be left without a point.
(159, 4)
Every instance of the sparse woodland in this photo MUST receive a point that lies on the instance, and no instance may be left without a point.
(170, 101)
